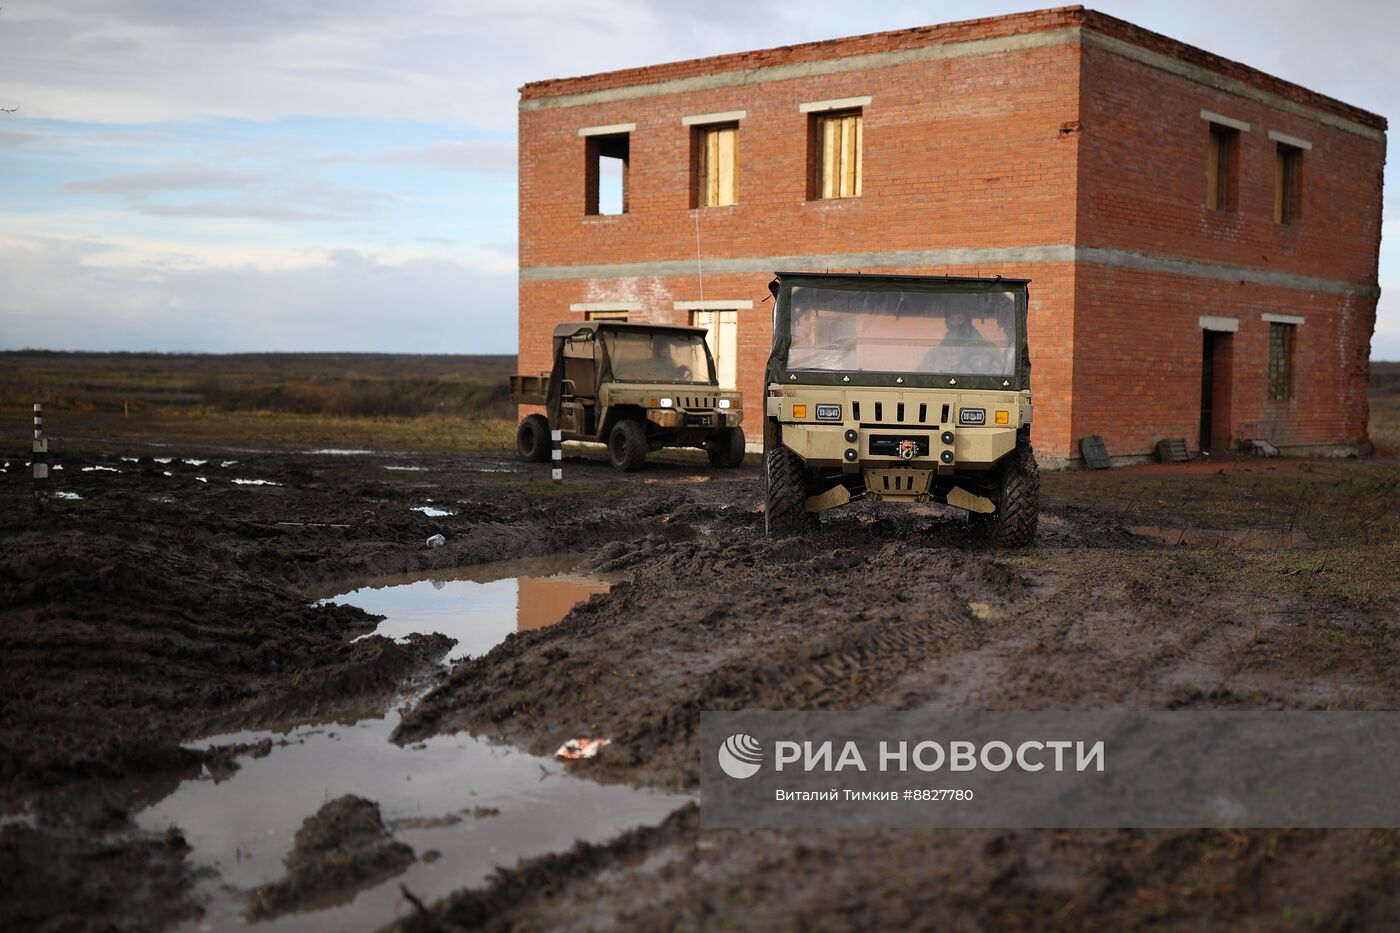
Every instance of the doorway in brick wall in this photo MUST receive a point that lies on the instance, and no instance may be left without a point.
(1215, 388)
(722, 336)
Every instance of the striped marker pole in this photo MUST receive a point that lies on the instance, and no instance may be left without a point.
(40, 458)
(556, 453)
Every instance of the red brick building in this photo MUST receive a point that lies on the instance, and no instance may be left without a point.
(1202, 238)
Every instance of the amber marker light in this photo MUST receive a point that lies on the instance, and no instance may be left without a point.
(1003, 417)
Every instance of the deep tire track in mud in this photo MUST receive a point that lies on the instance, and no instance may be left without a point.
(775, 635)
(891, 612)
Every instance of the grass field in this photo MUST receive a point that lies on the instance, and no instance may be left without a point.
(1385, 405)
(372, 400)
(383, 401)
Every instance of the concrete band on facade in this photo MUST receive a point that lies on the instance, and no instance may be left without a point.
(1074, 35)
(956, 257)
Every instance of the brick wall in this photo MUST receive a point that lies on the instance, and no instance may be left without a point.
(1138, 340)
(1036, 135)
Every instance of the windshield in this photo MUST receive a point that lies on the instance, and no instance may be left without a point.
(658, 357)
(932, 333)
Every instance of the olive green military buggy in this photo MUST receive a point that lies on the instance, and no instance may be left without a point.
(635, 387)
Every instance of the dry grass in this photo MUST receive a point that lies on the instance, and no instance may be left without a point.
(300, 383)
(268, 429)
(1385, 405)
(376, 401)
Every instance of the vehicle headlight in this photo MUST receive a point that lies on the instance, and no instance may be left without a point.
(972, 416)
(828, 412)
(666, 403)
(725, 403)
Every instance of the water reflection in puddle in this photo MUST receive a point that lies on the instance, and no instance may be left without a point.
(478, 606)
(429, 794)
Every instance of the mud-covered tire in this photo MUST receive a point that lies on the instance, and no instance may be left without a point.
(627, 445)
(1017, 500)
(532, 439)
(785, 494)
(726, 448)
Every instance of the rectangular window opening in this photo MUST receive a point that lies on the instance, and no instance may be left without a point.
(835, 143)
(1281, 361)
(605, 315)
(715, 165)
(605, 178)
(1288, 185)
(1222, 168)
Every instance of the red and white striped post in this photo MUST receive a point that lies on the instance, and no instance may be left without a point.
(40, 457)
(556, 454)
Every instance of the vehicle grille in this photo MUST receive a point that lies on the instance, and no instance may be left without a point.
(903, 413)
(696, 401)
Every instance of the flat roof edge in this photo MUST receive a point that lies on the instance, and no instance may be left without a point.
(536, 94)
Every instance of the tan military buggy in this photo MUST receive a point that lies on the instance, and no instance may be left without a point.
(634, 387)
(900, 389)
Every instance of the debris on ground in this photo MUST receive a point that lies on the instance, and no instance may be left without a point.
(579, 749)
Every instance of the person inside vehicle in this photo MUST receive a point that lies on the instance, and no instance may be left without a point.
(960, 349)
(664, 366)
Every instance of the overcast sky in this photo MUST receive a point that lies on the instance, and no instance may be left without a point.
(339, 174)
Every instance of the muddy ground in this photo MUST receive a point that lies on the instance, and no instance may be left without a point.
(159, 608)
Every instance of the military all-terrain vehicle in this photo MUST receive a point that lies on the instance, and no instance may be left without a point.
(634, 387)
(900, 389)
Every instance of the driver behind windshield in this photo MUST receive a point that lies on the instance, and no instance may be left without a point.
(664, 366)
(964, 349)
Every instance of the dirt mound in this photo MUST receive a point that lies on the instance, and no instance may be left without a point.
(343, 848)
(92, 878)
(742, 622)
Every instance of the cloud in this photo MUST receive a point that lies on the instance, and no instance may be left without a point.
(249, 130)
(67, 294)
(491, 156)
(170, 178)
(273, 196)
(9, 138)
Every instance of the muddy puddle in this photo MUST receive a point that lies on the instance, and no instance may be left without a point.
(464, 805)
(478, 606)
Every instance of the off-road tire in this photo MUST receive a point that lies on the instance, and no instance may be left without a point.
(532, 439)
(785, 495)
(1017, 500)
(627, 445)
(726, 448)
